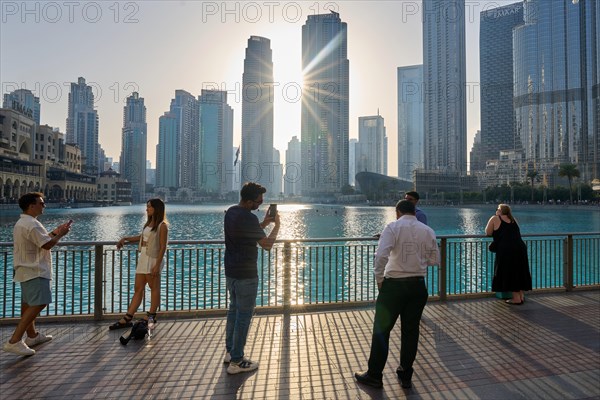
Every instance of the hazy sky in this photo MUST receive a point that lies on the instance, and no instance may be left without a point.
(156, 47)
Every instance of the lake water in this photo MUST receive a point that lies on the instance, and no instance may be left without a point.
(205, 222)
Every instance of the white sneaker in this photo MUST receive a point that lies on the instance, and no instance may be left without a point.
(19, 348)
(227, 358)
(39, 339)
(243, 366)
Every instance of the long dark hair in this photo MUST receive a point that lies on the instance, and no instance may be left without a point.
(159, 214)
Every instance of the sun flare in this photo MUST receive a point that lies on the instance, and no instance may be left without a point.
(286, 44)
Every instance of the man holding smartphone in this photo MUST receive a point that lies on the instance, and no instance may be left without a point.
(33, 269)
(242, 234)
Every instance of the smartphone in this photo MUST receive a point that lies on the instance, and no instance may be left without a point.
(272, 210)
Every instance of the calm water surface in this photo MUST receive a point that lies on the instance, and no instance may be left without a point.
(205, 222)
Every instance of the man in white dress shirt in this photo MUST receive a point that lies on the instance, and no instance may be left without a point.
(33, 269)
(406, 248)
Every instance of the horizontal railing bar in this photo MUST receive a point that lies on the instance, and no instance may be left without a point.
(317, 240)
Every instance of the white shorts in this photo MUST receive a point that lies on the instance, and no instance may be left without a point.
(145, 263)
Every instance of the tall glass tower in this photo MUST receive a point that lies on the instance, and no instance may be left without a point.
(185, 108)
(371, 154)
(133, 146)
(444, 73)
(293, 159)
(216, 140)
(82, 125)
(325, 105)
(410, 120)
(167, 152)
(257, 113)
(556, 76)
(496, 78)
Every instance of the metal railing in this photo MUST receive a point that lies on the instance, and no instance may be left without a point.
(97, 279)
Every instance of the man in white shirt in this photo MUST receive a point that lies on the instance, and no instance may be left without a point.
(33, 269)
(406, 248)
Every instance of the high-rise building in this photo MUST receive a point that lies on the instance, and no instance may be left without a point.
(150, 174)
(325, 105)
(352, 171)
(25, 102)
(216, 140)
(371, 153)
(167, 152)
(276, 188)
(133, 146)
(293, 164)
(184, 107)
(556, 76)
(444, 76)
(410, 120)
(257, 113)
(496, 79)
(82, 125)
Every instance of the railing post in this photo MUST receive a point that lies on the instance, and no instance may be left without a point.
(568, 263)
(442, 271)
(287, 281)
(98, 282)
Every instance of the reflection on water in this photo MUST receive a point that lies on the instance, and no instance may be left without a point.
(469, 223)
(205, 222)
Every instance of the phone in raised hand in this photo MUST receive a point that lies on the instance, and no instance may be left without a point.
(272, 210)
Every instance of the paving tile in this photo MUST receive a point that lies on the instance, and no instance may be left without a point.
(549, 348)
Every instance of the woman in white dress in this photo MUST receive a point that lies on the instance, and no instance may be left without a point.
(152, 244)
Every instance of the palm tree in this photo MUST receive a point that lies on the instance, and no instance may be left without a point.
(570, 171)
(532, 175)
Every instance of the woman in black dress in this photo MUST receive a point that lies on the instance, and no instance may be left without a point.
(511, 267)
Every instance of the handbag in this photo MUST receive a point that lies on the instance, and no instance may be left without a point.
(493, 247)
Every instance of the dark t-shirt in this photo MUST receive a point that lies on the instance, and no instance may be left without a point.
(242, 233)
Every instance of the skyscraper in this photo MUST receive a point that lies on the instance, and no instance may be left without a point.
(371, 155)
(185, 109)
(444, 73)
(82, 125)
(133, 146)
(496, 78)
(352, 145)
(325, 105)
(216, 140)
(293, 160)
(556, 76)
(257, 113)
(410, 120)
(276, 187)
(167, 152)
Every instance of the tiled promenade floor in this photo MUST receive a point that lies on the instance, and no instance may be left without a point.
(548, 348)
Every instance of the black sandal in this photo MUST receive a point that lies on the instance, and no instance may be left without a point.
(149, 314)
(119, 325)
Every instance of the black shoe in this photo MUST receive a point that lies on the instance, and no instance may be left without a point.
(364, 378)
(405, 378)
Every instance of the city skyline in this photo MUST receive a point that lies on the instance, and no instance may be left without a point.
(134, 56)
